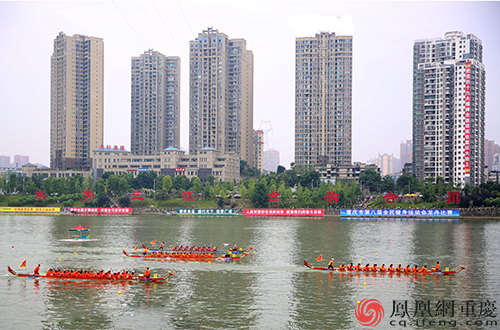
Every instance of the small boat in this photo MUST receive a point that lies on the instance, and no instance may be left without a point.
(190, 257)
(135, 278)
(82, 235)
(446, 272)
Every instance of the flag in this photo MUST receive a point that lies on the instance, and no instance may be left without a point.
(319, 258)
(135, 249)
(23, 264)
(153, 242)
(144, 246)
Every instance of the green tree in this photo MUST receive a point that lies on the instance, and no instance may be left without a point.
(88, 184)
(122, 185)
(180, 183)
(49, 186)
(280, 169)
(29, 186)
(38, 180)
(196, 184)
(429, 191)
(259, 197)
(286, 194)
(106, 175)
(112, 183)
(404, 183)
(387, 184)
(73, 185)
(371, 179)
(20, 183)
(61, 186)
(11, 185)
(243, 191)
(146, 179)
(210, 180)
(167, 183)
(100, 188)
(3, 181)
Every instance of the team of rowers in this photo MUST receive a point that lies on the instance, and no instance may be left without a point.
(91, 274)
(383, 268)
(186, 252)
(193, 248)
(189, 254)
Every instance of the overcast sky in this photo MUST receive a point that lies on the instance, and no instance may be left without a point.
(383, 36)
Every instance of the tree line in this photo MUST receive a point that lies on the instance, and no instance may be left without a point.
(298, 187)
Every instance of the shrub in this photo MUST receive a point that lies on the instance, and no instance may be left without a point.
(124, 201)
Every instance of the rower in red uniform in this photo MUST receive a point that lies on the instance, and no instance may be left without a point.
(350, 267)
(399, 268)
(366, 268)
(415, 269)
(390, 268)
(341, 267)
(374, 268)
(424, 269)
(382, 268)
(437, 266)
(37, 270)
(147, 273)
(330, 264)
(358, 267)
(407, 269)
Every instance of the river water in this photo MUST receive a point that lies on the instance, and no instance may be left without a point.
(269, 289)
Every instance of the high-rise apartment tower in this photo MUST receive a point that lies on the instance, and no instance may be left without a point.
(221, 94)
(449, 108)
(405, 149)
(258, 149)
(323, 99)
(76, 100)
(155, 103)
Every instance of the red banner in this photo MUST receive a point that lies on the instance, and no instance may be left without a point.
(106, 210)
(467, 118)
(283, 212)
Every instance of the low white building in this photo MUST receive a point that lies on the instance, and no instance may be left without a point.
(171, 161)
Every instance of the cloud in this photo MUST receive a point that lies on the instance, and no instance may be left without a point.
(307, 24)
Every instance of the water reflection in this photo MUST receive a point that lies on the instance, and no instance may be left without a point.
(270, 289)
(273, 288)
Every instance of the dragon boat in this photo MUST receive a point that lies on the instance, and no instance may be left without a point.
(134, 278)
(189, 255)
(441, 272)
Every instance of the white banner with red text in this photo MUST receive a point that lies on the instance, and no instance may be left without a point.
(101, 210)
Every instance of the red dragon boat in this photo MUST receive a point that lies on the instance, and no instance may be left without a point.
(446, 272)
(189, 256)
(134, 278)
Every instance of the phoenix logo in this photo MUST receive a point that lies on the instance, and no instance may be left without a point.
(369, 312)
